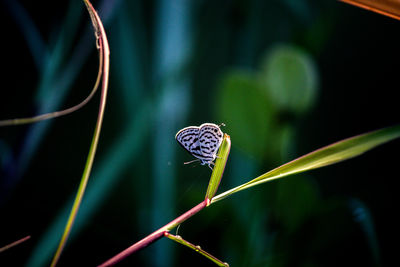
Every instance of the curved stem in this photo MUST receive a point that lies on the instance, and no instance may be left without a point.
(51, 115)
(60, 113)
(104, 52)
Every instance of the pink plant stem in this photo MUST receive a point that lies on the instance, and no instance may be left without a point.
(154, 236)
(15, 243)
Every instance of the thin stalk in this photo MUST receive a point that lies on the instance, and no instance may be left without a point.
(15, 243)
(198, 249)
(104, 52)
(55, 114)
(155, 235)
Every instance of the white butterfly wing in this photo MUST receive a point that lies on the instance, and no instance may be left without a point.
(210, 139)
(202, 142)
(188, 138)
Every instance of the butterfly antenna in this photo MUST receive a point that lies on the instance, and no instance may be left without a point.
(191, 161)
(222, 124)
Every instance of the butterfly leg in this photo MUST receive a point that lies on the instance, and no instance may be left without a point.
(209, 165)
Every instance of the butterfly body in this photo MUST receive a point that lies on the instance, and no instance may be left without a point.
(202, 142)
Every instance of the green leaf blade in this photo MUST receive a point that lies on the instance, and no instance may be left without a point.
(219, 167)
(328, 155)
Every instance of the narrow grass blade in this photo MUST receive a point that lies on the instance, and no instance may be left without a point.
(219, 167)
(104, 52)
(334, 153)
(106, 174)
(198, 249)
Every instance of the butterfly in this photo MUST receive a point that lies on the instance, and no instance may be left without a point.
(202, 142)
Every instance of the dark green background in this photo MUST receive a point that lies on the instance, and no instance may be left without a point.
(181, 63)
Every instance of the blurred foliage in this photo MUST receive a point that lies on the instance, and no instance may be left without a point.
(244, 117)
(286, 77)
(286, 84)
(291, 77)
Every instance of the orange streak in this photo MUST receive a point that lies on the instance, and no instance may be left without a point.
(390, 8)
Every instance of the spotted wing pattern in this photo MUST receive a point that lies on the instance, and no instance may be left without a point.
(202, 142)
(210, 138)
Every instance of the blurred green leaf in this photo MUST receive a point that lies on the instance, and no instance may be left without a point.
(280, 140)
(244, 108)
(290, 76)
(334, 153)
(295, 201)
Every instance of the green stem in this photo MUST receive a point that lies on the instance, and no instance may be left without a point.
(104, 55)
(198, 249)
